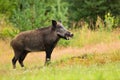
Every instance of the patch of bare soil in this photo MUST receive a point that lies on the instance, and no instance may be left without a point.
(91, 54)
(89, 49)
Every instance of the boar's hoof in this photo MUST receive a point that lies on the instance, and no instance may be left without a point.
(47, 63)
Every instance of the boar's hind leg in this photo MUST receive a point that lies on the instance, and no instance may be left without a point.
(14, 62)
(15, 58)
(22, 57)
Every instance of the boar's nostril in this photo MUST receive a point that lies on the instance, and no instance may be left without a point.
(69, 34)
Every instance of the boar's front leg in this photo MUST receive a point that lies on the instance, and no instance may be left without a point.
(48, 55)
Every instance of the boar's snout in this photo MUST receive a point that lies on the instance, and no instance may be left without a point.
(68, 35)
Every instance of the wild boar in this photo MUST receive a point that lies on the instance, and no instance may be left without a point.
(43, 39)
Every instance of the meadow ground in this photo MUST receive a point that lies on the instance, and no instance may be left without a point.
(86, 58)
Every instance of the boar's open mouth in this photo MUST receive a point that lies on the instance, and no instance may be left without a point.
(68, 36)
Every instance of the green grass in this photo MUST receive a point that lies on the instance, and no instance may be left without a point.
(109, 71)
(89, 66)
(105, 66)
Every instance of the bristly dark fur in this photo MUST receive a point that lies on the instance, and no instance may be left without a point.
(43, 39)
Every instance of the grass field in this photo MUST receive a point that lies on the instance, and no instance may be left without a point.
(88, 56)
(109, 71)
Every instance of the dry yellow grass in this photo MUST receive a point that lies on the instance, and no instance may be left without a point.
(102, 52)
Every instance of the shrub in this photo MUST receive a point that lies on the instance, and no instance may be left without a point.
(8, 32)
(6, 28)
(32, 14)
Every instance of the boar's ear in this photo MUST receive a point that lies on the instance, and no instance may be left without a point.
(54, 23)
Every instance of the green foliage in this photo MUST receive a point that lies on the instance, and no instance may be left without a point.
(7, 6)
(90, 9)
(109, 20)
(6, 28)
(87, 8)
(37, 13)
(8, 32)
(32, 14)
(64, 43)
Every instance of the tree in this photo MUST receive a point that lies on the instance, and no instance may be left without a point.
(32, 14)
(7, 6)
(90, 9)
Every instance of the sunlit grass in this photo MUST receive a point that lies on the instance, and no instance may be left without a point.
(84, 37)
(88, 66)
(90, 59)
(108, 71)
(95, 66)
